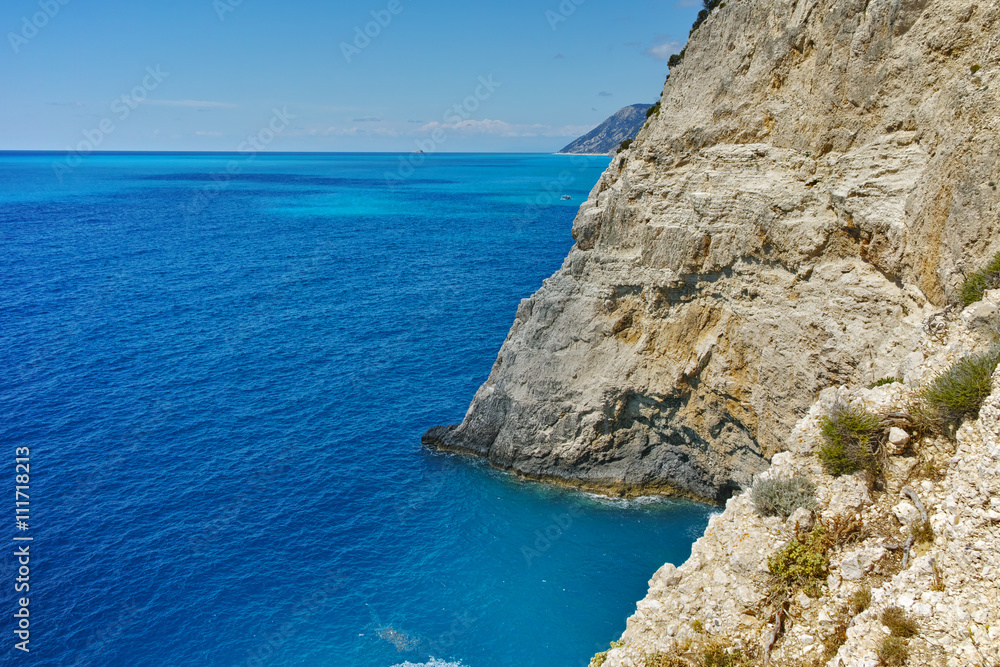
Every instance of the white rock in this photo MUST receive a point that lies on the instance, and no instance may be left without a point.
(800, 520)
(898, 439)
(906, 513)
(859, 562)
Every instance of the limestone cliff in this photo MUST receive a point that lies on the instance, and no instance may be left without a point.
(820, 177)
(723, 600)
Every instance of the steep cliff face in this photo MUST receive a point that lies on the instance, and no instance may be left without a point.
(822, 174)
(944, 491)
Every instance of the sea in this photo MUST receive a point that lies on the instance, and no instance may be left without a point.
(218, 367)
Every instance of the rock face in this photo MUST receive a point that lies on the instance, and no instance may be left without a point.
(948, 584)
(820, 177)
(606, 137)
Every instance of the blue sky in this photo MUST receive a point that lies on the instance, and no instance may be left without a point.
(527, 75)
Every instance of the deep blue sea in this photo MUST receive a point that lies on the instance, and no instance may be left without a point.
(222, 367)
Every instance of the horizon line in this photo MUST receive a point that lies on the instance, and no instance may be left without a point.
(233, 152)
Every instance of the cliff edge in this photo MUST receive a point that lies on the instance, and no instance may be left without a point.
(820, 178)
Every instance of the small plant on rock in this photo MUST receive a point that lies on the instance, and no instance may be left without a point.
(859, 601)
(801, 561)
(975, 286)
(624, 145)
(922, 532)
(899, 622)
(661, 659)
(599, 658)
(853, 438)
(781, 497)
(833, 642)
(715, 654)
(893, 652)
(882, 382)
(961, 389)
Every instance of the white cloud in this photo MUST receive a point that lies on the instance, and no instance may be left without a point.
(355, 131)
(191, 104)
(504, 129)
(665, 50)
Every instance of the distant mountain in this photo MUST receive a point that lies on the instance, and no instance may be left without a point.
(606, 137)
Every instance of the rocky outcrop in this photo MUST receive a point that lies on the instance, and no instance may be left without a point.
(608, 136)
(947, 583)
(820, 177)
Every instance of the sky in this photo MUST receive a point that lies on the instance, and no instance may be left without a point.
(315, 75)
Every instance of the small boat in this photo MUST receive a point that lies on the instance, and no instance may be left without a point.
(565, 197)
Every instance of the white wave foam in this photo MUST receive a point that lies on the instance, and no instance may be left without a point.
(433, 662)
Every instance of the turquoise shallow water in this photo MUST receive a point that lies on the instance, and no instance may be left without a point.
(223, 382)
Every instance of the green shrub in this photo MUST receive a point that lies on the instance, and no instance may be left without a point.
(898, 622)
(961, 389)
(781, 497)
(893, 652)
(975, 68)
(624, 145)
(716, 655)
(852, 440)
(708, 5)
(975, 286)
(653, 110)
(801, 560)
(859, 601)
(677, 58)
(661, 659)
(882, 382)
(599, 658)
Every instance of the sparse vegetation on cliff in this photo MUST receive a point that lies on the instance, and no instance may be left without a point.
(852, 437)
(961, 389)
(800, 562)
(599, 658)
(882, 382)
(859, 601)
(894, 650)
(781, 497)
(975, 286)
(708, 6)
